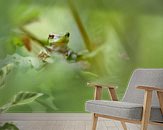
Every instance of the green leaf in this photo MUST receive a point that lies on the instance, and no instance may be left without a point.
(48, 103)
(95, 52)
(22, 61)
(5, 107)
(25, 97)
(4, 71)
(25, 17)
(87, 73)
(17, 41)
(20, 99)
(8, 126)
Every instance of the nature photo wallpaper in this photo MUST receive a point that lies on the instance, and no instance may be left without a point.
(50, 49)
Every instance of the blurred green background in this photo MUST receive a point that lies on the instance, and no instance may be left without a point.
(119, 35)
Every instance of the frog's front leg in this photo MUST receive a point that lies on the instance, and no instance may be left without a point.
(43, 55)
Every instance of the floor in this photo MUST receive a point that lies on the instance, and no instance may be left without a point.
(59, 121)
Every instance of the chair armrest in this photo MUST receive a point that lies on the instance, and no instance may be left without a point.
(150, 88)
(148, 100)
(98, 91)
(101, 85)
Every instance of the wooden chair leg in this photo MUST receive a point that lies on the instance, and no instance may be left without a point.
(124, 125)
(94, 123)
(160, 98)
(146, 110)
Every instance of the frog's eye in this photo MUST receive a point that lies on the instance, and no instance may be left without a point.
(67, 34)
(51, 36)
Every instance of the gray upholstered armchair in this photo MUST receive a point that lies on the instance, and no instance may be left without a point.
(141, 104)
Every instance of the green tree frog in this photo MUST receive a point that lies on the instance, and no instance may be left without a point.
(58, 43)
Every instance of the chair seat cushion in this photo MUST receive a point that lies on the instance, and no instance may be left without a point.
(131, 111)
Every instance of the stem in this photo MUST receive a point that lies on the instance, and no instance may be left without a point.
(30, 35)
(80, 26)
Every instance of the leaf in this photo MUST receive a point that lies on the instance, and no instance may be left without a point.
(8, 126)
(95, 52)
(4, 71)
(25, 17)
(89, 74)
(5, 107)
(25, 97)
(17, 41)
(22, 61)
(27, 43)
(48, 103)
(20, 99)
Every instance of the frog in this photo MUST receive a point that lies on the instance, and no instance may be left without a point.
(55, 43)
(58, 43)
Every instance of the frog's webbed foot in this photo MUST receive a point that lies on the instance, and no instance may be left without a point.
(43, 55)
(49, 49)
(71, 55)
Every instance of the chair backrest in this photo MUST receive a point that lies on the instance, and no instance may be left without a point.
(147, 77)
